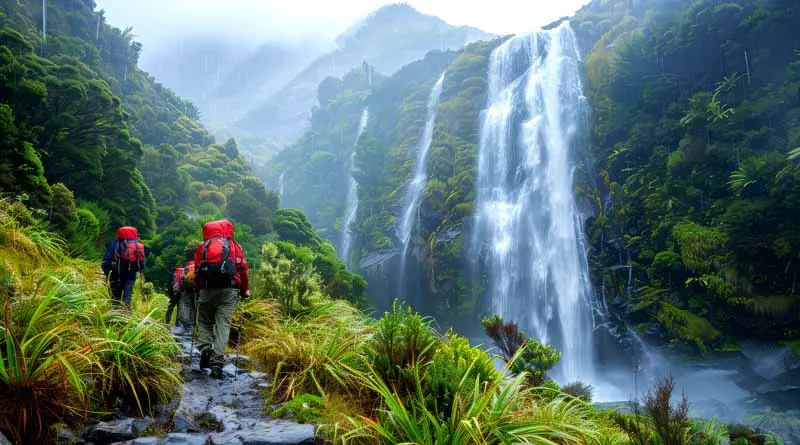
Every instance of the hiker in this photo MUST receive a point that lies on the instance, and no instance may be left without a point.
(124, 258)
(187, 308)
(221, 278)
(175, 295)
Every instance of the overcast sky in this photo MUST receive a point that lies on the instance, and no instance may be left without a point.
(256, 21)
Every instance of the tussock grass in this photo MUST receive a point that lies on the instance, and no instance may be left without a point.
(136, 358)
(313, 353)
(44, 360)
(63, 350)
(500, 412)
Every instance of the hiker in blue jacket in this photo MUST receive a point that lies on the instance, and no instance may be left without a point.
(124, 258)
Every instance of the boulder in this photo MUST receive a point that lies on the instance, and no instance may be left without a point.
(278, 432)
(116, 431)
(769, 361)
(171, 439)
(3, 440)
(181, 424)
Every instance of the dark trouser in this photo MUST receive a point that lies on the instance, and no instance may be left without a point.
(122, 288)
(173, 302)
(187, 309)
(216, 314)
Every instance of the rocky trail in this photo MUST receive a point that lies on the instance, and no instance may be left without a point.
(227, 411)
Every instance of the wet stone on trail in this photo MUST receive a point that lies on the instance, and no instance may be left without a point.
(227, 411)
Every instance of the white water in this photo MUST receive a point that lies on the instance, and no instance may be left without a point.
(44, 20)
(352, 195)
(417, 185)
(281, 184)
(527, 225)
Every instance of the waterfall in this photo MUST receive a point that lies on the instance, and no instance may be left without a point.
(351, 210)
(44, 20)
(417, 185)
(527, 226)
(97, 33)
(280, 184)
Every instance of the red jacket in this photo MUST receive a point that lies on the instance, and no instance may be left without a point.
(225, 229)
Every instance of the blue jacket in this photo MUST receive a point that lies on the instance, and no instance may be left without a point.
(109, 256)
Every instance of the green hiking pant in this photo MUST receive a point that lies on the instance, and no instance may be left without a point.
(214, 321)
(187, 313)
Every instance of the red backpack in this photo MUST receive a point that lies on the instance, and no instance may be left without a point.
(177, 278)
(217, 264)
(129, 252)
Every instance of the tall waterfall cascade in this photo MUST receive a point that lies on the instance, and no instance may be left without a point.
(351, 210)
(527, 226)
(416, 188)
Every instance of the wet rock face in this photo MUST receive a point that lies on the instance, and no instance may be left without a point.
(210, 411)
(116, 430)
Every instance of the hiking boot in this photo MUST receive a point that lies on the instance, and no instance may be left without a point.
(205, 358)
(216, 372)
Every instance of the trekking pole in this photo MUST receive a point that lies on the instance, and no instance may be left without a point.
(194, 326)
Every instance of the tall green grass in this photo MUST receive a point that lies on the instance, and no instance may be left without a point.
(312, 353)
(64, 353)
(500, 412)
(45, 358)
(136, 357)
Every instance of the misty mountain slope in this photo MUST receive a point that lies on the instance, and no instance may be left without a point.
(194, 67)
(388, 39)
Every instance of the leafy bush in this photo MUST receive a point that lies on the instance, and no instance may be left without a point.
(402, 339)
(579, 390)
(454, 360)
(523, 354)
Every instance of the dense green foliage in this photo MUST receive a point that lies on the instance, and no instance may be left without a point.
(696, 111)
(96, 143)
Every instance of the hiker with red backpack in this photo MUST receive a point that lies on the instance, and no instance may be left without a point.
(187, 308)
(175, 295)
(124, 258)
(221, 278)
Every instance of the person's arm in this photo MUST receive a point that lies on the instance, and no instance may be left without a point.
(109, 255)
(198, 256)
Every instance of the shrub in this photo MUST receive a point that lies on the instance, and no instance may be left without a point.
(662, 422)
(402, 340)
(579, 390)
(454, 361)
(745, 434)
(523, 354)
